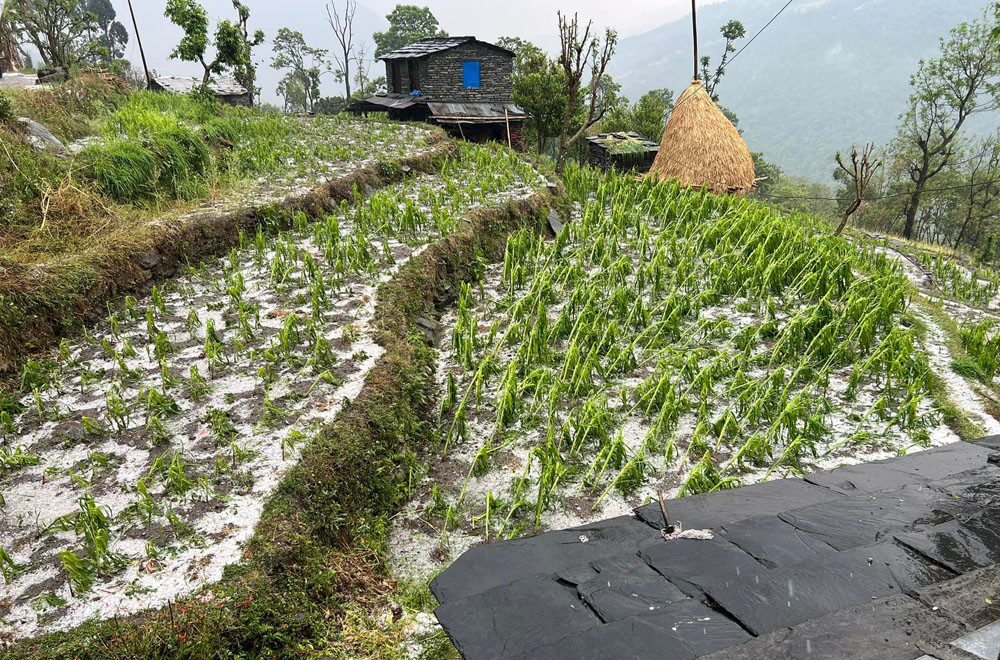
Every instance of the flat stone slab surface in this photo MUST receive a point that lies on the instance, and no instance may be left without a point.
(884, 560)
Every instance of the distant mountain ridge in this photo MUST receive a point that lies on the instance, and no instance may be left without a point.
(825, 74)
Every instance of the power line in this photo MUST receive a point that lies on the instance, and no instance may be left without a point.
(780, 12)
(881, 197)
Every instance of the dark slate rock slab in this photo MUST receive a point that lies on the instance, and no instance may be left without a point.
(863, 478)
(489, 566)
(992, 442)
(773, 542)
(980, 486)
(631, 639)
(703, 629)
(962, 546)
(786, 597)
(864, 519)
(692, 564)
(971, 598)
(687, 629)
(884, 629)
(711, 510)
(943, 462)
(512, 619)
(621, 596)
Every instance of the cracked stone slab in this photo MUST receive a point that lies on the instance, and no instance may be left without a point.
(712, 510)
(488, 566)
(962, 546)
(774, 542)
(972, 599)
(684, 630)
(617, 596)
(883, 629)
(514, 618)
(864, 519)
(786, 597)
(692, 564)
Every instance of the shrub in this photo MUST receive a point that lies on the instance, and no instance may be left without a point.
(6, 109)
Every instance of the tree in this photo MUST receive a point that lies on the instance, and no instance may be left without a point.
(112, 36)
(577, 52)
(343, 30)
(859, 176)
(982, 191)
(946, 92)
(365, 85)
(407, 24)
(540, 89)
(57, 28)
(304, 64)
(647, 116)
(731, 32)
(244, 70)
(10, 48)
(228, 40)
(329, 105)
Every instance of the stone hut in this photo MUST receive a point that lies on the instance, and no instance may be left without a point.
(461, 83)
(225, 88)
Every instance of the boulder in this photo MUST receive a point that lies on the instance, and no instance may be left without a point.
(40, 137)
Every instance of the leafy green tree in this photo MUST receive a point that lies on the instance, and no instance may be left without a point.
(540, 90)
(947, 91)
(731, 32)
(112, 35)
(56, 28)
(228, 41)
(768, 173)
(244, 69)
(647, 116)
(304, 64)
(329, 105)
(407, 23)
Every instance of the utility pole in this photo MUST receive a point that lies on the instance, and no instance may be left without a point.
(694, 24)
(142, 53)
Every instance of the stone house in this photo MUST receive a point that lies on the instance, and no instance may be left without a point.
(225, 88)
(461, 83)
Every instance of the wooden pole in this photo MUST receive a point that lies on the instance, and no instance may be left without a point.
(142, 53)
(510, 144)
(694, 25)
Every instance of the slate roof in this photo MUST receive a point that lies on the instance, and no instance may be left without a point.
(896, 559)
(221, 85)
(432, 45)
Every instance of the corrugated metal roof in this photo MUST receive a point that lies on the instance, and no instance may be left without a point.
(433, 45)
(477, 110)
(222, 86)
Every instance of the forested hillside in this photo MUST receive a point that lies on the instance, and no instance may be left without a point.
(827, 73)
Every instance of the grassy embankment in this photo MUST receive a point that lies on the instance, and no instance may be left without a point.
(164, 179)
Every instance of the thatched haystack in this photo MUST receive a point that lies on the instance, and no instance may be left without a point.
(701, 147)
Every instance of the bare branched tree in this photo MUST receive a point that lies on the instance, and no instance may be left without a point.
(860, 175)
(983, 191)
(343, 30)
(578, 53)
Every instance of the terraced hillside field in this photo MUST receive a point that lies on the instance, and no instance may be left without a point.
(137, 463)
(667, 341)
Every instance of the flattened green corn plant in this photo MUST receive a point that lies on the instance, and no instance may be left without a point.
(718, 312)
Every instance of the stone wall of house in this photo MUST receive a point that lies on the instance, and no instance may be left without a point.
(440, 75)
(404, 75)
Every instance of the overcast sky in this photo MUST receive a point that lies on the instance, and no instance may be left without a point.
(534, 20)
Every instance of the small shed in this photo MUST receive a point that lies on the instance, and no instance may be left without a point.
(461, 83)
(622, 151)
(225, 88)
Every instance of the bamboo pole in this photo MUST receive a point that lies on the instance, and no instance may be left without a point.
(506, 118)
(694, 25)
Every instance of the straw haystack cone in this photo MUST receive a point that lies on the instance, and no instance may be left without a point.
(701, 147)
